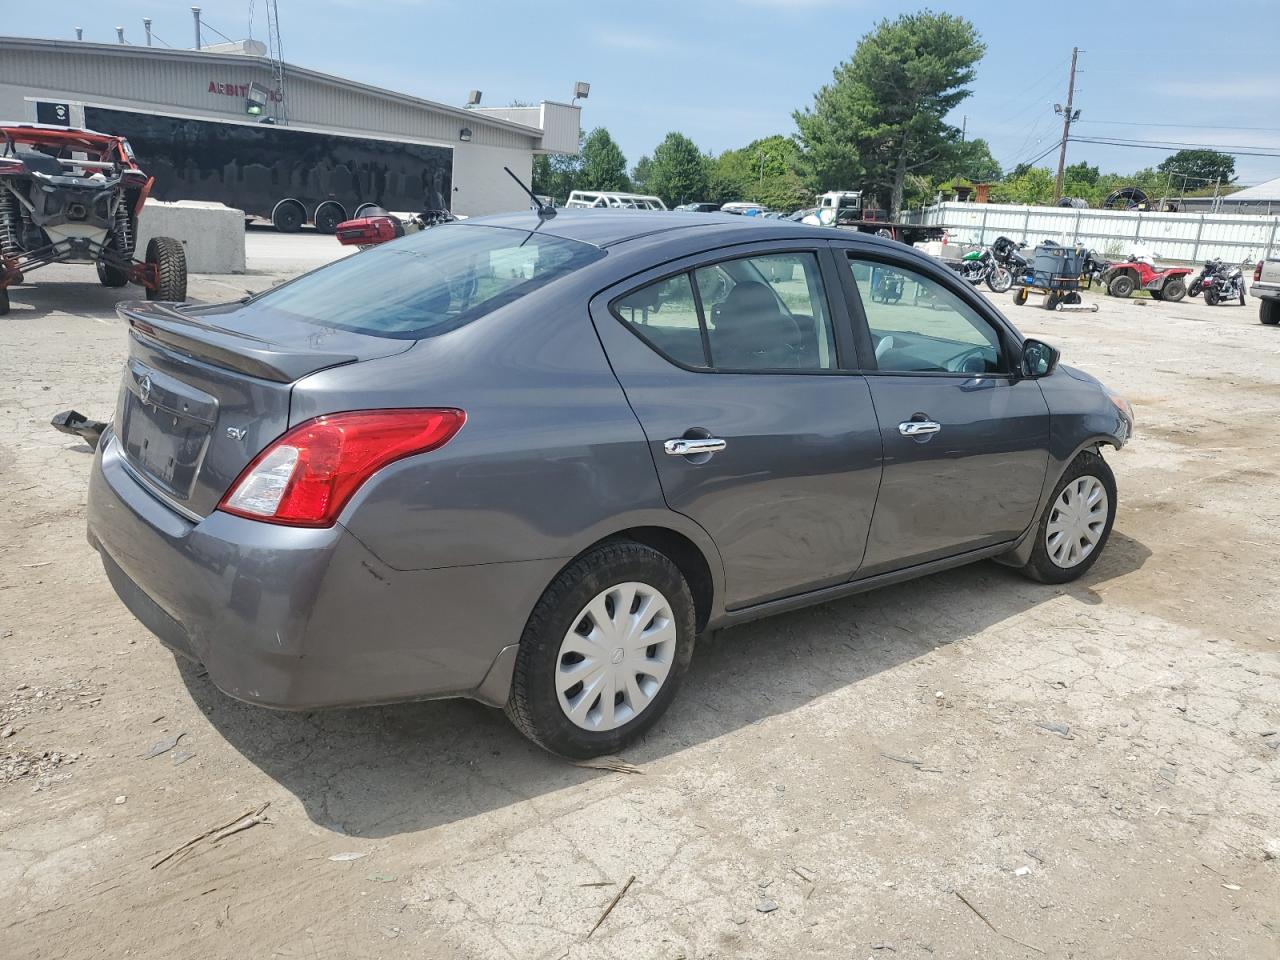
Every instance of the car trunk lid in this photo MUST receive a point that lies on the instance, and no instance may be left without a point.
(206, 388)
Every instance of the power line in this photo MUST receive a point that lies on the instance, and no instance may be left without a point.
(1200, 126)
(1157, 145)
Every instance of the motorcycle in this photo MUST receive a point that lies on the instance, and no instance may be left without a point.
(1223, 284)
(980, 265)
(1210, 269)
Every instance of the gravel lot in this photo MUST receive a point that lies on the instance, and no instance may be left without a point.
(970, 765)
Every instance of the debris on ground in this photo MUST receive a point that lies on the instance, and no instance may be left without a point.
(121, 799)
(163, 746)
(249, 818)
(612, 903)
(765, 905)
(1061, 729)
(1271, 849)
(78, 425)
(994, 929)
(612, 764)
(347, 857)
(1022, 872)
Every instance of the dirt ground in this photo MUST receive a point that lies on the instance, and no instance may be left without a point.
(970, 765)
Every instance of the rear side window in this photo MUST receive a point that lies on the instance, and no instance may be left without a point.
(766, 313)
(430, 282)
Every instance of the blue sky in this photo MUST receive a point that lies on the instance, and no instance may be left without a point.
(725, 72)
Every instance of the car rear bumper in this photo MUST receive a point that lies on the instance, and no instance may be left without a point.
(1264, 290)
(298, 618)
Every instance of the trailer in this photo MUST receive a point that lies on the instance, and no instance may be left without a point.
(844, 210)
(287, 175)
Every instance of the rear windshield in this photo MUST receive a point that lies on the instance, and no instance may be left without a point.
(430, 282)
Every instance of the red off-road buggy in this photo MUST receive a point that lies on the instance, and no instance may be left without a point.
(69, 195)
(1121, 279)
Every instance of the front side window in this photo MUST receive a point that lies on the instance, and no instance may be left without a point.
(919, 326)
(429, 282)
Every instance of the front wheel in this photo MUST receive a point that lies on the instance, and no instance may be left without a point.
(170, 261)
(1173, 291)
(1076, 523)
(1242, 294)
(1020, 296)
(1194, 289)
(999, 280)
(604, 650)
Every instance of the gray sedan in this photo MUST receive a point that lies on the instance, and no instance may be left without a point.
(530, 461)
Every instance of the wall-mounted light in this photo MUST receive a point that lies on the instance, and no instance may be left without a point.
(473, 98)
(465, 134)
(581, 90)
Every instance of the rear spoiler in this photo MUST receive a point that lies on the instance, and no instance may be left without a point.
(229, 349)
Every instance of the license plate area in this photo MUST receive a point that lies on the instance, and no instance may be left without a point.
(166, 428)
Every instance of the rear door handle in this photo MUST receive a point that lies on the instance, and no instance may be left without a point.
(918, 428)
(689, 447)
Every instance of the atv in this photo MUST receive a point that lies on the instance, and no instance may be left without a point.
(1121, 279)
(73, 196)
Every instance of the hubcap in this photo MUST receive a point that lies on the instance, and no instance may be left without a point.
(1076, 521)
(616, 656)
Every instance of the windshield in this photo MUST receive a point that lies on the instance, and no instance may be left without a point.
(430, 282)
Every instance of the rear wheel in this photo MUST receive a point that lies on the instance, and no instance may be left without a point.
(111, 276)
(1269, 312)
(1121, 285)
(170, 261)
(1211, 296)
(4, 302)
(1076, 523)
(1156, 294)
(1020, 296)
(328, 216)
(1173, 291)
(603, 652)
(1242, 294)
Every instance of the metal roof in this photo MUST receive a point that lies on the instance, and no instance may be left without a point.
(131, 51)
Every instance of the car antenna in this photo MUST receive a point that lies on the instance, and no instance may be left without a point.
(545, 210)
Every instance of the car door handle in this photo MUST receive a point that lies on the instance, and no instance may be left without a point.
(690, 447)
(918, 428)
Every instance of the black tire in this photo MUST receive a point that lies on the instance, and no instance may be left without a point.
(1020, 296)
(1194, 289)
(288, 217)
(1211, 296)
(1121, 285)
(534, 706)
(328, 216)
(111, 276)
(1269, 312)
(1073, 298)
(1041, 566)
(1156, 294)
(4, 302)
(1051, 300)
(1242, 294)
(999, 279)
(170, 261)
(1174, 290)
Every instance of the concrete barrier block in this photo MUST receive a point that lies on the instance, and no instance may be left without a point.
(212, 234)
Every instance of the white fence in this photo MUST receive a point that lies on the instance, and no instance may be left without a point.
(1190, 237)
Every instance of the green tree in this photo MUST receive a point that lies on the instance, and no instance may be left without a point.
(882, 116)
(641, 174)
(603, 165)
(1081, 173)
(1197, 168)
(678, 171)
(1033, 186)
(765, 171)
(972, 160)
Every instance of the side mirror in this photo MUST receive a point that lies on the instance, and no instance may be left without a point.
(1038, 358)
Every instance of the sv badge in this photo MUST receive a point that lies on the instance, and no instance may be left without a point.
(236, 433)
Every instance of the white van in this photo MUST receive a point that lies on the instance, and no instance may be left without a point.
(616, 201)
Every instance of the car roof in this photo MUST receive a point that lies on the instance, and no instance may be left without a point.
(604, 228)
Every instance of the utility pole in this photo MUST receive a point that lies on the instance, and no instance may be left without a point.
(964, 127)
(1067, 116)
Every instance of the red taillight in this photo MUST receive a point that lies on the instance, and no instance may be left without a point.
(1257, 271)
(306, 477)
(365, 231)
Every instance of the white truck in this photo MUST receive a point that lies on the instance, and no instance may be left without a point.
(1266, 287)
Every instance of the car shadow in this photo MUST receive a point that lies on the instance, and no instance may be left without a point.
(35, 301)
(380, 771)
